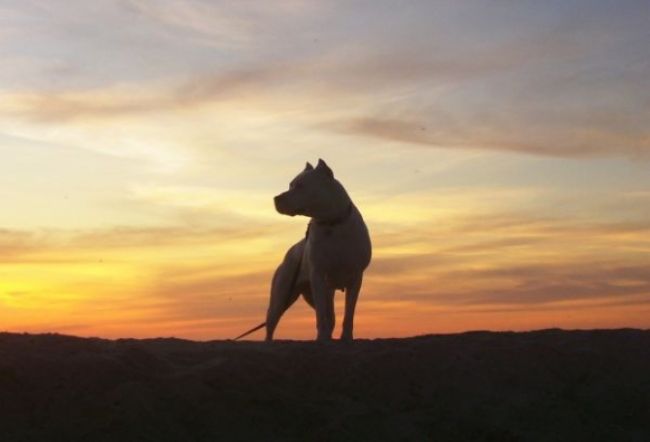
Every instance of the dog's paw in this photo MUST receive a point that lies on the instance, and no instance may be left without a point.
(346, 338)
(323, 339)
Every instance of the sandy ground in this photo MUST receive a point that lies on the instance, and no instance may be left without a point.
(548, 385)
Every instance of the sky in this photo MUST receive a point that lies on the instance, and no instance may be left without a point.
(499, 152)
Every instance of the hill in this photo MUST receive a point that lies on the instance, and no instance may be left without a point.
(542, 385)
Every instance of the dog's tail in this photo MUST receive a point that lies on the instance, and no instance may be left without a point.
(254, 329)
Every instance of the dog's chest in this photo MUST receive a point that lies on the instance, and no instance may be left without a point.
(337, 252)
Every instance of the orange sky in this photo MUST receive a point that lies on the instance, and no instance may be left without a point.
(502, 170)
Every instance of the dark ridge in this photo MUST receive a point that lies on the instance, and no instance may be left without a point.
(494, 386)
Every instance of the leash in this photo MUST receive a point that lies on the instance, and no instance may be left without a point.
(254, 329)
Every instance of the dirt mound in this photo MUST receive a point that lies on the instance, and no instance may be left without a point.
(544, 385)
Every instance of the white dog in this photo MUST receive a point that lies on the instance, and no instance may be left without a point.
(333, 255)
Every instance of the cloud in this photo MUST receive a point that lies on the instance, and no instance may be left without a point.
(125, 101)
(570, 139)
(556, 283)
(554, 87)
(198, 22)
(69, 246)
(441, 120)
(220, 23)
(348, 73)
(14, 243)
(200, 280)
(125, 237)
(510, 261)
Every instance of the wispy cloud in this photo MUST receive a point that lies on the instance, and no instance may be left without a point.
(511, 123)
(572, 138)
(551, 91)
(194, 278)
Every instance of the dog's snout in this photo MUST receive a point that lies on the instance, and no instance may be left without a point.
(277, 201)
(283, 205)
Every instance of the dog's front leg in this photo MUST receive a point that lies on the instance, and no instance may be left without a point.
(351, 296)
(324, 305)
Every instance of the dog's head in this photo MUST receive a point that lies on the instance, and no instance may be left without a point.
(311, 193)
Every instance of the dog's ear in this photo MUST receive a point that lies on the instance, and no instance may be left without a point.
(324, 168)
(308, 166)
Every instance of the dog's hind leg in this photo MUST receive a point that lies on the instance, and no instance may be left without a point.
(351, 296)
(280, 303)
(284, 290)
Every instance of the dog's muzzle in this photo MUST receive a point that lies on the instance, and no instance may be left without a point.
(281, 206)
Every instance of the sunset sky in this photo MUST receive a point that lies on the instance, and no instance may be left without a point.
(499, 152)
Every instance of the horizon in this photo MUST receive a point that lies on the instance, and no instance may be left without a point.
(307, 340)
(498, 153)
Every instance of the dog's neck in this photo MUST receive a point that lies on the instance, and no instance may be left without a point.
(337, 219)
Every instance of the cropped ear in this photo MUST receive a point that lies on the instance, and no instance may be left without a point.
(323, 167)
(309, 166)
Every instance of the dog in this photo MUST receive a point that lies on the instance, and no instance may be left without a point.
(333, 255)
